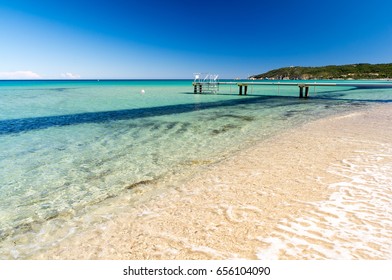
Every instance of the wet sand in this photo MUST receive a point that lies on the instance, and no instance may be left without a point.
(321, 191)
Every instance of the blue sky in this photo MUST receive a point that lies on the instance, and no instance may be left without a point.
(173, 39)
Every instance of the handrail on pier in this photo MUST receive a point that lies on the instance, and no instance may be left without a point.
(209, 84)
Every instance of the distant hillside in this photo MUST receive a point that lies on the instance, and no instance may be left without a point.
(350, 71)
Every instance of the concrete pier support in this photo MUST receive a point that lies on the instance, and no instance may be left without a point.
(245, 89)
(306, 92)
(301, 91)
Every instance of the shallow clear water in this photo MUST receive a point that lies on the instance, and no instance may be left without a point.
(66, 145)
(354, 223)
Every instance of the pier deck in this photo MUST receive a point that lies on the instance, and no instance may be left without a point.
(303, 86)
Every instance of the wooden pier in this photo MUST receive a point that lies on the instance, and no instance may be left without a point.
(303, 86)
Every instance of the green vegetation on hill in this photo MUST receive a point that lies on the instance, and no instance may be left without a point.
(351, 71)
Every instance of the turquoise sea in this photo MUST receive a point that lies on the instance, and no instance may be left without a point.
(67, 146)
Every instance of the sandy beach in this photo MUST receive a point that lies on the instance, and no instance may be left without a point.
(321, 191)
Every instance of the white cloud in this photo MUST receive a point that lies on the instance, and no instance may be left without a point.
(70, 76)
(19, 75)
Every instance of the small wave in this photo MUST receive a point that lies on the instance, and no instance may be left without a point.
(355, 223)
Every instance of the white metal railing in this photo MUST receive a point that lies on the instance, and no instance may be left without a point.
(210, 82)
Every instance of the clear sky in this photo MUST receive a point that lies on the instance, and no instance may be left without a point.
(173, 39)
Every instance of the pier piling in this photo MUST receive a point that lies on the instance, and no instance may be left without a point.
(301, 91)
(245, 89)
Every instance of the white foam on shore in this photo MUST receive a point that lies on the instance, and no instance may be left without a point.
(355, 223)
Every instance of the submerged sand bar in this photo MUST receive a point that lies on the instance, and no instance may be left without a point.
(321, 191)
